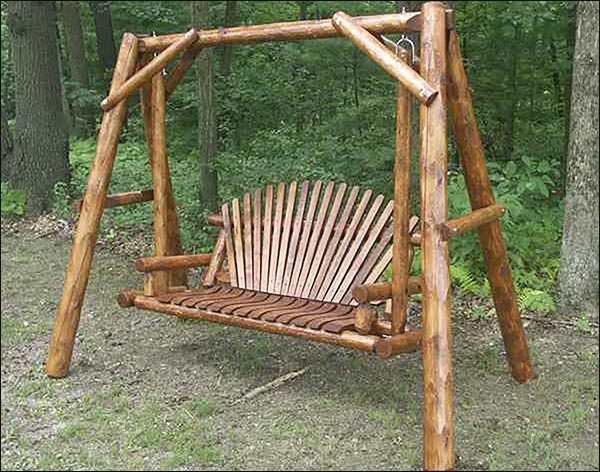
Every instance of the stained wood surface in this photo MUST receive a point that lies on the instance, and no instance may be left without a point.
(315, 241)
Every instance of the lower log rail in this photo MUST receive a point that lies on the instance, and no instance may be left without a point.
(382, 291)
(121, 199)
(348, 339)
(402, 343)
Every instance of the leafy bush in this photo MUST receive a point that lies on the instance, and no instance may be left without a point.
(14, 202)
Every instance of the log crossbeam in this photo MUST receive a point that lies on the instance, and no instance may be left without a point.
(121, 199)
(473, 220)
(186, 261)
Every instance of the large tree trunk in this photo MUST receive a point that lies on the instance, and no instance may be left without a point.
(105, 40)
(231, 19)
(7, 148)
(207, 133)
(578, 276)
(40, 157)
(75, 43)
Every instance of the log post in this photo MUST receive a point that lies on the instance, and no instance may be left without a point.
(78, 271)
(470, 148)
(438, 436)
(401, 246)
(177, 277)
(159, 281)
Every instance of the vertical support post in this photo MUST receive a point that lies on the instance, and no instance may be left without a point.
(161, 178)
(471, 152)
(401, 246)
(438, 434)
(78, 271)
(177, 277)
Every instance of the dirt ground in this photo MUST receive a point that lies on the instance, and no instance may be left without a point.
(152, 392)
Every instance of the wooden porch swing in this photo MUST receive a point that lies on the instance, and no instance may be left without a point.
(305, 259)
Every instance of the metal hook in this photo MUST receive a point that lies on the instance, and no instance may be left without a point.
(406, 39)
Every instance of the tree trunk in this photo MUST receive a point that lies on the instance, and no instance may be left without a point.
(75, 44)
(207, 133)
(40, 157)
(231, 19)
(571, 30)
(7, 148)
(578, 275)
(105, 40)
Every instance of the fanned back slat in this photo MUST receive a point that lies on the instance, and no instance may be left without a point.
(237, 241)
(257, 228)
(365, 248)
(266, 245)
(314, 239)
(229, 244)
(334, 242)
(316, 248)
(248, 256)
(306, 230)
(297, 230)
(285, 236)
(276, 236)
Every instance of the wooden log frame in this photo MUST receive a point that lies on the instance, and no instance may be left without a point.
(388, 61)
(152, 264)
(149, 70)
(294, 31)
(470, 148)
(438, 434)
(78, 271)
(473, 220)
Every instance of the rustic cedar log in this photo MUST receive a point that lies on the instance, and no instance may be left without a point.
(178, 277)
(151, 69)
(382, 291)
(401, 258)
(470, 148)
(120, 199)
(473, 220)
(216, 261)
(223, 277)
(186, 62)
(408, 341)
(78, 271)
(158, 282)
(293, 31)
(347, 339)
(394, 66)
(438, 440)
(152, 264)
(364, 318)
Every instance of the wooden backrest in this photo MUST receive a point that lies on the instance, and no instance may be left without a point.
(310, 240)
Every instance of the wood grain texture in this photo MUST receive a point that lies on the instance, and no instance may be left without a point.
(471, 152)
(78, 270)
(438, 432)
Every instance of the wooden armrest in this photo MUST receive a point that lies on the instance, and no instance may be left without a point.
(186, 261)
(382, 291)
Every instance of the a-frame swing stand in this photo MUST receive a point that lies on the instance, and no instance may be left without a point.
(297, 268)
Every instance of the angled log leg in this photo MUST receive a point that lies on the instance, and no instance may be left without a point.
(177, 277)
(479, 187)
(438, 436)
(78, 271)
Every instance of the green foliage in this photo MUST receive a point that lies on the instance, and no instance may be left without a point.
(14, 202)
(536, 300)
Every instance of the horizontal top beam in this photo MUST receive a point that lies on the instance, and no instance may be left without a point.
(293, 31)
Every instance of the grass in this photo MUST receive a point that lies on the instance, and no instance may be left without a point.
(153, 393)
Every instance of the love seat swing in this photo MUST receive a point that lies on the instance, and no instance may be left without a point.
(303, 258)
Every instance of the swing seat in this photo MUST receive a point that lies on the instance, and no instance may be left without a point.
(294, 255)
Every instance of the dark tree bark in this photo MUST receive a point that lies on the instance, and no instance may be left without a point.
(105, 40)
(207, 132)
(75, 44)
(578, 275)
(7, 148)
(40, 157)
(231, 19)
